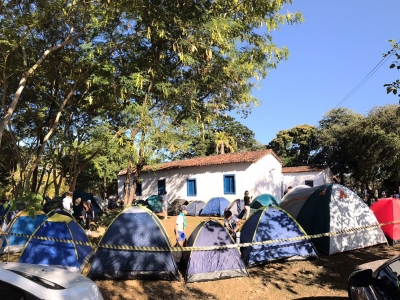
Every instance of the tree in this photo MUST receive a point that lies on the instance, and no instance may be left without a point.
(374, 146)
(222, 140)
(334, 137)
(189, 61)
(395, 85)
(296, 146)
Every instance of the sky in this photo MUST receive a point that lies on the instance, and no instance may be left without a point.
(331, 52)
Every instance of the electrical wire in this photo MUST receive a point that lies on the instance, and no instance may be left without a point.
(383, 60)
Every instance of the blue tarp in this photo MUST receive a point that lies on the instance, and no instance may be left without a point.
(139, 227)
(270, 223)
(212, 264)
(215, 207)
(67, 254)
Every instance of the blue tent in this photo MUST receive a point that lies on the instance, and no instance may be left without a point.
(195, 207)
(264, 200)
(137, 227)
(270, 223)
(212, 264)
(60, 211)
(67, 254)
(21, 224)
(215, 207)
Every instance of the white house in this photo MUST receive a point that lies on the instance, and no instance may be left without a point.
(202, 178)
(306, 175)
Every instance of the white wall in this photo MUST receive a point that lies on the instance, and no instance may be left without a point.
(264, 176)
(319, 178)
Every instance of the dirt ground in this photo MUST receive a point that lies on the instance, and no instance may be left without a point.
(321, 278)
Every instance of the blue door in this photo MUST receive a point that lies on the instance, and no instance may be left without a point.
(161, 186)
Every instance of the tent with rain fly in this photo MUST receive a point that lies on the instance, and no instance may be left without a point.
(22, 224)
(194, 208)
(215, 207)
(264, 200)
(271, 223)
(174, 208)
(331, 208)
(212, 264)
(85, 197)
(134, 227)
(388, 210)
(236, 206)
(52, 205)
(72, 251)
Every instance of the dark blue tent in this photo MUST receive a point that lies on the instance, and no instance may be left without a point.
(60, 211)
(215, 207)
(138, 227)
(270, 223)
(195, 207)
(67, 254)
(85, 197)
(212, 264)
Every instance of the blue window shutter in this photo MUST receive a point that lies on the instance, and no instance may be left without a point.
(191, 187)
(229, 184)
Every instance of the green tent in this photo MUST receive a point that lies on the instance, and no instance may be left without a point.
(264, 200)
(155, 203)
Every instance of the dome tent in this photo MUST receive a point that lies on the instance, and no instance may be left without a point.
(174, 208)
(215, 207)
(270, 223)
(134, 227)
(332, 208)
(388, 210)
(21, 224)
(236, 207)
(264, 200)
(68, 254)
(194, 208)
(212, 264)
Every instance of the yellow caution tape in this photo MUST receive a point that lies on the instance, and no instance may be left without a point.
(204, 248)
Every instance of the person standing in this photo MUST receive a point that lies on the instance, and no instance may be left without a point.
(287, 190)
(89, 215)
(67, 202)
(247, 200)
(165, 204)
(181, 226)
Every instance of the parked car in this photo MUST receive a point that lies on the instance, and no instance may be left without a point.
(33, 282)
(377, 280)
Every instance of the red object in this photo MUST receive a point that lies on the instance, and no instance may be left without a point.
(388, 210)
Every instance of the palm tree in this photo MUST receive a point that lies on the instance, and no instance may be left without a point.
(222, 140)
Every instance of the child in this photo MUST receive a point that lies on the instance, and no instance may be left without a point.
(181, 226)
(231, 222)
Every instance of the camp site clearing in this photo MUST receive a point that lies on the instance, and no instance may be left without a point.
(321, 278)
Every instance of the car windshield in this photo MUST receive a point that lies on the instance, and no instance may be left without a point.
(40, 281)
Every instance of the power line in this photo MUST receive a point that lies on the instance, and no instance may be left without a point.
(383, 60)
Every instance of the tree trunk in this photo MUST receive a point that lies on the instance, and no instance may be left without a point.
(25, 76)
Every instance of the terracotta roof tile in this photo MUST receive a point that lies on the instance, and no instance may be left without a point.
(238, 157)
(299, 169)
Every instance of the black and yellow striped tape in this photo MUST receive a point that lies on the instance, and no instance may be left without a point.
(204, 248)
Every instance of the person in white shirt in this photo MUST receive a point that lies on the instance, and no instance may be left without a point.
(165, 204)
(181, 226)
(67, 201)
